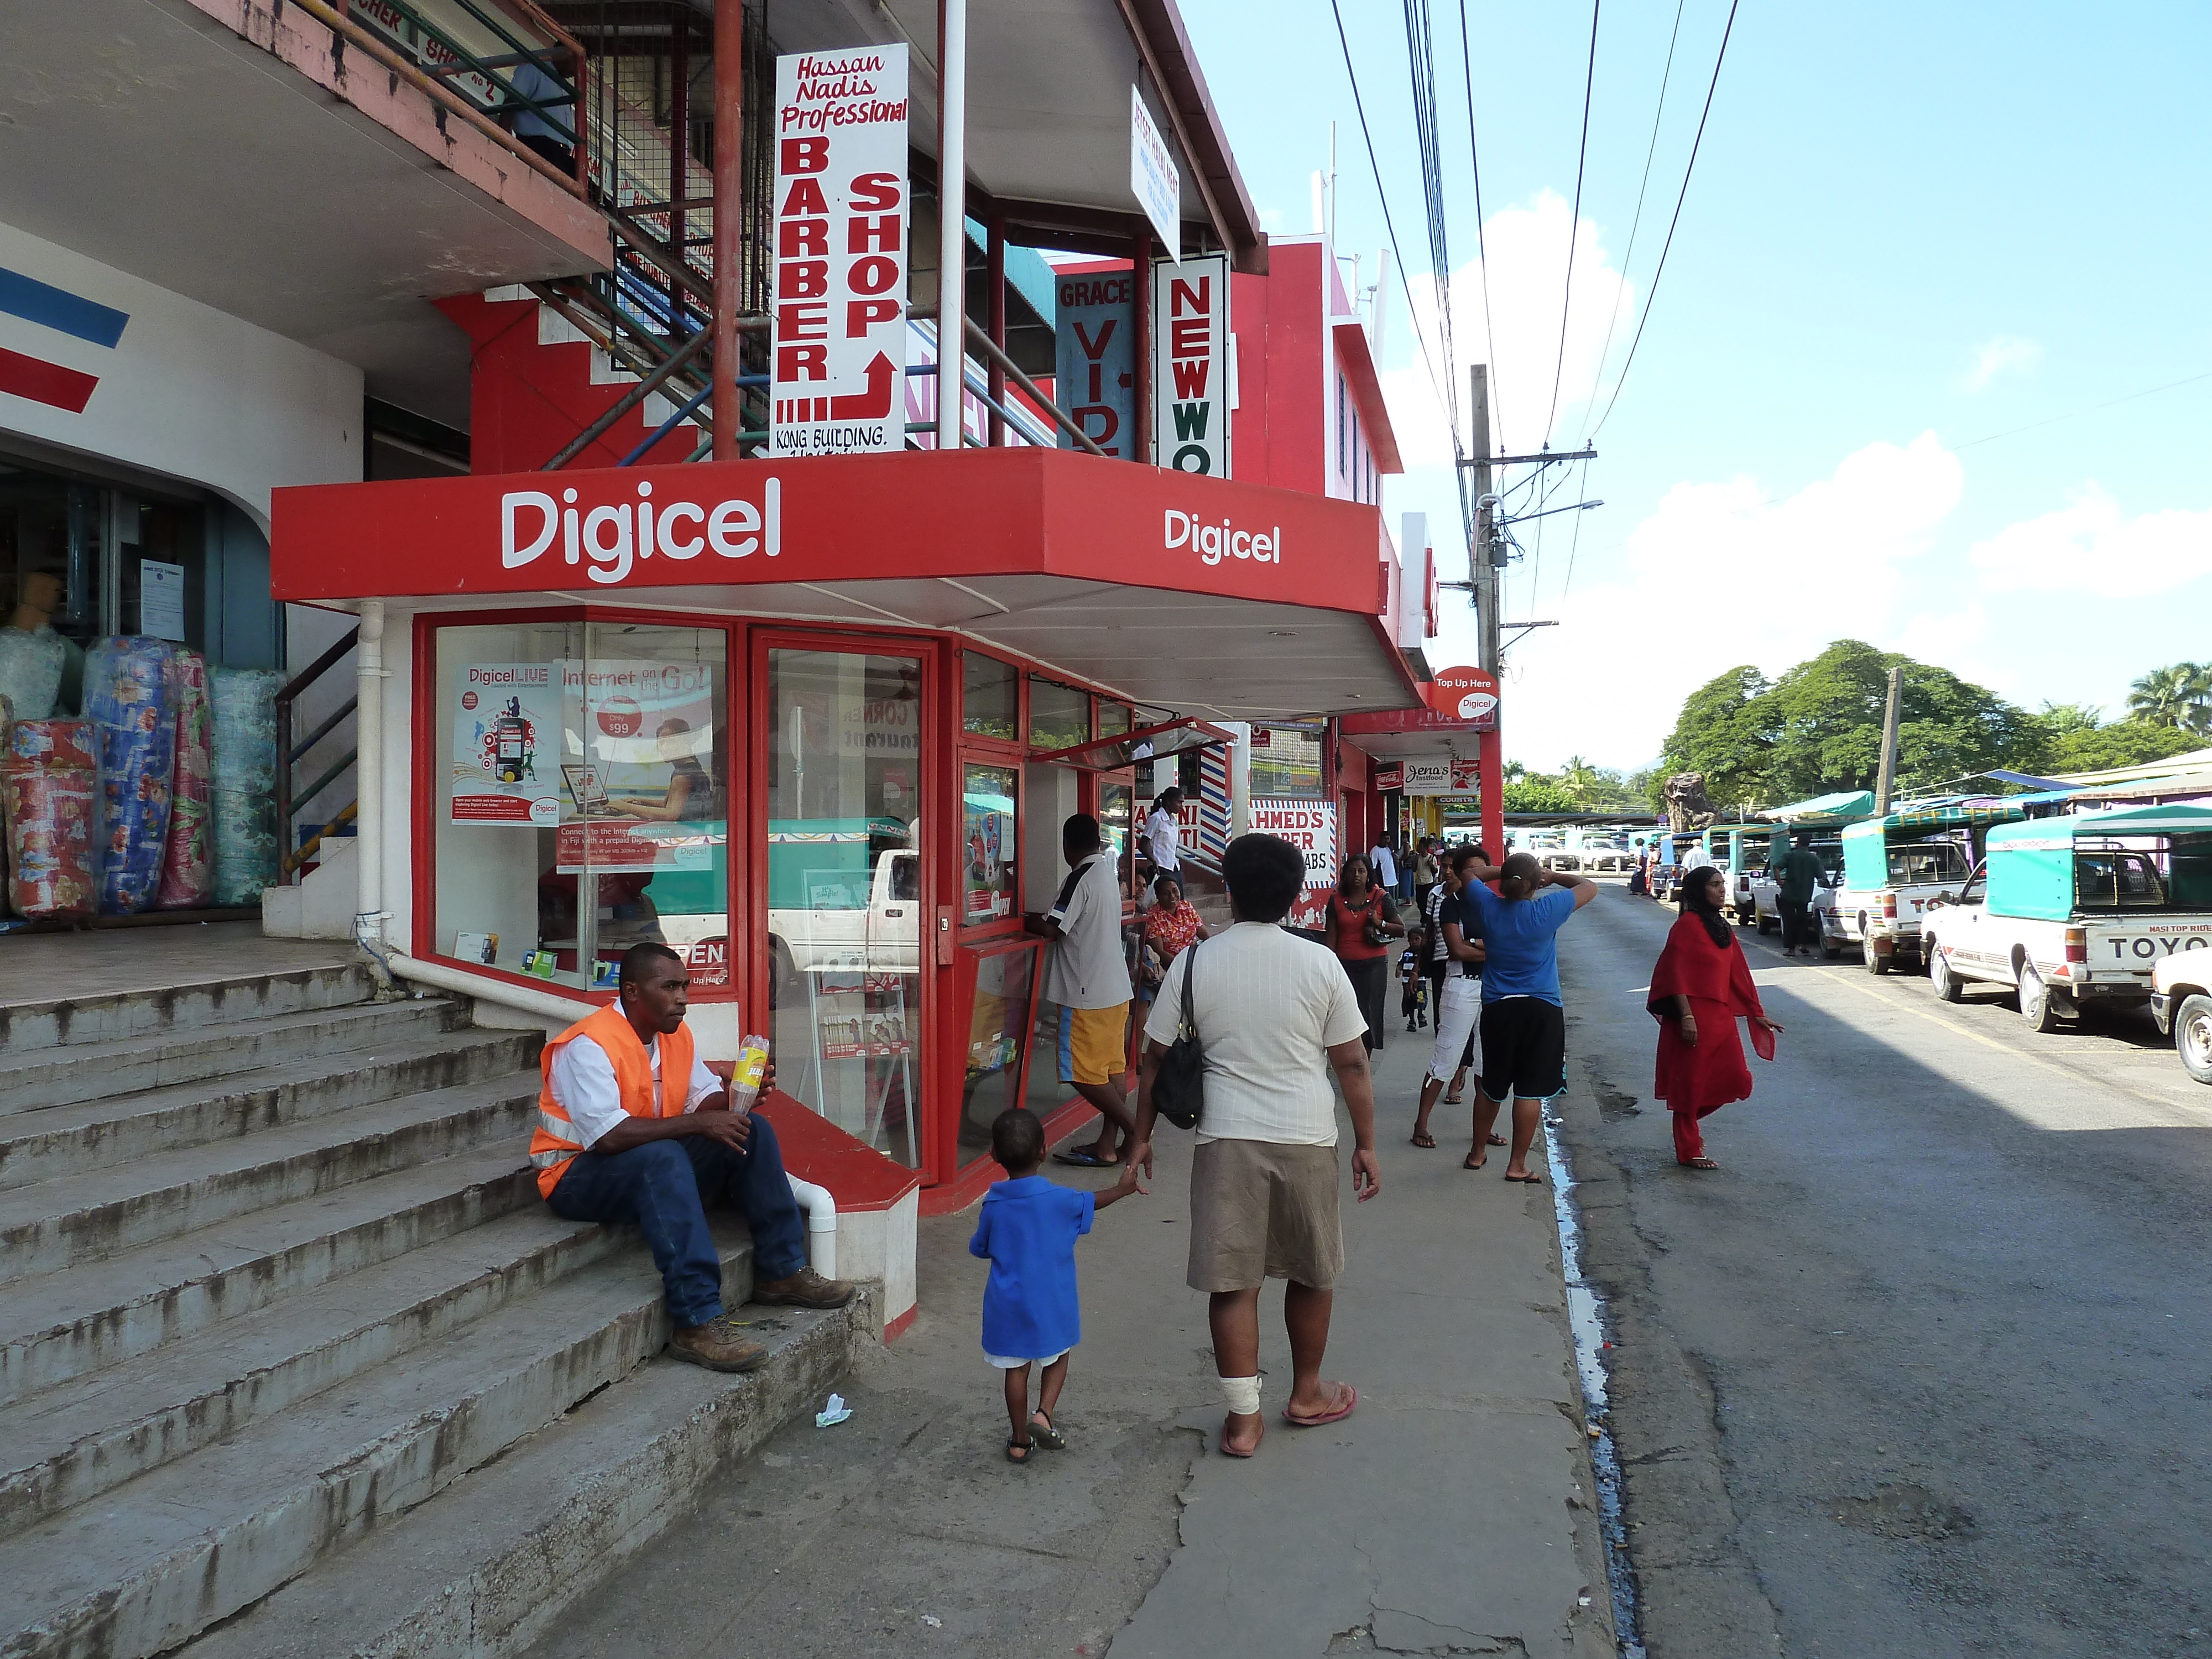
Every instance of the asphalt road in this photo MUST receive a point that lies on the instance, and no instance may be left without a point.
(1927, 1368)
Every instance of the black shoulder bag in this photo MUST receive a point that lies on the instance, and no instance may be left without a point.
(1179, 1080)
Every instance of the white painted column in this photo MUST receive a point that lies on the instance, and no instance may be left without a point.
(952, 219)
(369, 777)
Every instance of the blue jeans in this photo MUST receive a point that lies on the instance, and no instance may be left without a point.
(664, 1189)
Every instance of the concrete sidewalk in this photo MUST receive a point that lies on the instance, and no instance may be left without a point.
(1451, 1514)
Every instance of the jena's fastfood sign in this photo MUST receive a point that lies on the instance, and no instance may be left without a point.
(841, 252)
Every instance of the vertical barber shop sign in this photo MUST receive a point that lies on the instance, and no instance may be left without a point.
(840, 251)
(1194, 380)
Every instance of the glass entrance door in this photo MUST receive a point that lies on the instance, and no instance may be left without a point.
(844, 846)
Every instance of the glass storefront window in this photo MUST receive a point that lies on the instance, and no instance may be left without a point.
(843, 814)
(1000, 1016)
(1116, 804)
(1113, 719)
(582, 800)
(1286, 760)
(991, 855)
(988, 695)
(1060, 715)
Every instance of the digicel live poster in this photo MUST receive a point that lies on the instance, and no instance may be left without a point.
(840, 251)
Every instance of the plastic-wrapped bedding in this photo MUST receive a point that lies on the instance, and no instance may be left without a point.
(31, 665)
(129, 697)
(244, 701)
(48, 783)
(188, 860)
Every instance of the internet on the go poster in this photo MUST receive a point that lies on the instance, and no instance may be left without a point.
(507, 743)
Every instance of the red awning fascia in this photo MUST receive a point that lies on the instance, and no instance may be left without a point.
(1352, 348)
(1105, 754)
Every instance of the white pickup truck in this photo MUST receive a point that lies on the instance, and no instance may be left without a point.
(1894, 868)
(2079, 910)
(2181, 1003)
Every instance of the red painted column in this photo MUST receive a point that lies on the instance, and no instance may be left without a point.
(1492, 760)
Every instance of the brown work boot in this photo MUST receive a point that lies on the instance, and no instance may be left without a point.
(804, 1289)
(717, 1346)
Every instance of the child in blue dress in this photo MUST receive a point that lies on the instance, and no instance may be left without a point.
(1027, 1231)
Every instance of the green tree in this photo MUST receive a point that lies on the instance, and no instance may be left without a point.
(2178, 696)
(1727, 730)
(1830, 711)
(2124, 743)
(1538, 795)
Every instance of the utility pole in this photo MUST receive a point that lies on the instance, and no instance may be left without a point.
(1483, 575)
(1887, 780)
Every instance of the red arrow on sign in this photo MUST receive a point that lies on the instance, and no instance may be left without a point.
(872, 404)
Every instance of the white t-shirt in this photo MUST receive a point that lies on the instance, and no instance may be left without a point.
(1086, 968)
(1698, 858)
(584, 1086)
(1165, 836)
(1269, 1007)
(1385, 865)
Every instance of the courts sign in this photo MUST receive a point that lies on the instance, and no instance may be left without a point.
(1192, 376)
(841, 252)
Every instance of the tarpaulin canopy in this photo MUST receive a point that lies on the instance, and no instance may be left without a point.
(1837, 809)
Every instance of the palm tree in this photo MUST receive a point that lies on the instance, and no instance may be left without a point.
(1579, 776)
(2179, 695)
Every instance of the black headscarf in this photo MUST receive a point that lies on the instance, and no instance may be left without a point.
(1695, 887)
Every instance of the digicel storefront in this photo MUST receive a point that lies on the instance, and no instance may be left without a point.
(792, 719)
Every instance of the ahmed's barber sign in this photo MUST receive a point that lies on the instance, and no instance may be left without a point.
(841, 259)
(1465, 694)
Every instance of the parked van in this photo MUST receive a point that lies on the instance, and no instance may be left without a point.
(1892, 866)
(2079, 910)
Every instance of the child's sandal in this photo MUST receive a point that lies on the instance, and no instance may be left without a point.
(1018, 1451)
(1046, 1435)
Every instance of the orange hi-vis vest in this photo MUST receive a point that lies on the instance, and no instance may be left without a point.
(556, 1139)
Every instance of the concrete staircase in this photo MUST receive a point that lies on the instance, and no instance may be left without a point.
(293, 1360)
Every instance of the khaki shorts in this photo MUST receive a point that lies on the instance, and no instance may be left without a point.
(1262, 1210)
(1094, 1043)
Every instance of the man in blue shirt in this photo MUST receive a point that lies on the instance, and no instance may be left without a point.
(1524, 1029)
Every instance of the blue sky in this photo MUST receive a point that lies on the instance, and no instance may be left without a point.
(1911, 228)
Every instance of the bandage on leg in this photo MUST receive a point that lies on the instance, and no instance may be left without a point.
(1242, 1394)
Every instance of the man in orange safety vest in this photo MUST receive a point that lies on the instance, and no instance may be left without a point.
(634, 1129)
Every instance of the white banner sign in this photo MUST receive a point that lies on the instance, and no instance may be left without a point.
(840, 251)
(1154, 177)
(1191, 370)
(1308, 825)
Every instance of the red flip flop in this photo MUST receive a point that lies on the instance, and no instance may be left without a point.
(1351, 1400)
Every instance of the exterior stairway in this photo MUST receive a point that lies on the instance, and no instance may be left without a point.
(293, 1360)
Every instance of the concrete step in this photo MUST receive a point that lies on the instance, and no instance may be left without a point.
(78, 1440)
(61, 1141)
(34, 1078)
(178, 1007)
(490, 1567)
(80, 1320)
(160, 1558)
(58, 1223)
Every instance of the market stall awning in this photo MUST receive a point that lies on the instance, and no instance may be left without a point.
(1828, 809)
(1231, 600)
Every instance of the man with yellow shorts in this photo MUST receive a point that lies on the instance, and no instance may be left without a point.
(1087, 974)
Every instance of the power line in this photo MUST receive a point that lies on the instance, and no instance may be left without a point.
(1420, 60)
(1575, 546)
(1389, 225)
(2053, 420)
(1574, 223)
(1637, 223)
(1651, 298)
(1481, 248)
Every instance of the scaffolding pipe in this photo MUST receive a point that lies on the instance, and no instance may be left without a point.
(952, 207)
(729, 219)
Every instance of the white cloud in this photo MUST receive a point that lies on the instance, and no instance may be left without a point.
(2088, 546)
(1528, 256)
(1723, 573)
(2002, 354)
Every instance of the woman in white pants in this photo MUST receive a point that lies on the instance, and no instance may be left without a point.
(1459, 996)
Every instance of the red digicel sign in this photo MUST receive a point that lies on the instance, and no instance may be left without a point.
(619, 531)
(1465, 694)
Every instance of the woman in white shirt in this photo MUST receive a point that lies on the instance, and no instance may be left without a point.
(1164, 832)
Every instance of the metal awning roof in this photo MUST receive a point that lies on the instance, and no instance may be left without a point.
(1835, 809)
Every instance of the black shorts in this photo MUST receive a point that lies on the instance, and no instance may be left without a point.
(1524, 1048)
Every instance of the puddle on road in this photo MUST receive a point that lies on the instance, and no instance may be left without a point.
(1586, 1320)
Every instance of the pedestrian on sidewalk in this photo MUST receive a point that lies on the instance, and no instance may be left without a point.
(1458, 987)
(1412, 984)
(1800, 876)
(1172, 926)
(1274, 1016)
(1164, 832)
(1359, 929)
(1382, 865)
(1701, 985)
(1032, 1315)
(1524, 1024)
(1088, 976)
(1425, 872)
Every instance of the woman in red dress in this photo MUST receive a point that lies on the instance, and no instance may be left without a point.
(1700, 987)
